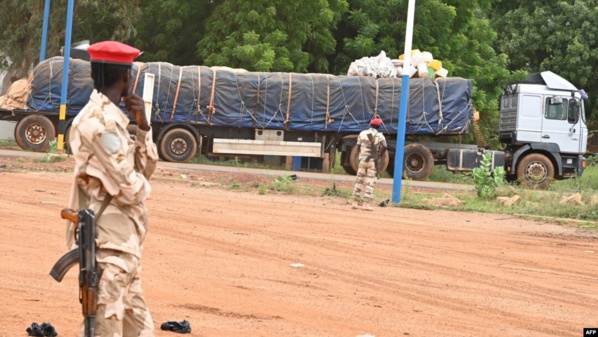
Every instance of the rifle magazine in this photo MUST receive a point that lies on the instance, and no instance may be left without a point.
(64, 264)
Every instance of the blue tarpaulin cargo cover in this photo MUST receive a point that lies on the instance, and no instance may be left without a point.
(290, 101)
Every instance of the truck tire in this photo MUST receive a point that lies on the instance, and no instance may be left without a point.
(34, 133)
(354, 161)
(178, 145)
(346, 164)
(418, 161)
(390, 167)
(535, 171)
(67, 140)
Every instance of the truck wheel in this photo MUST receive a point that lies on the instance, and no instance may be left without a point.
(67, 140)
(35, 133)
(178, 145)
(535, 171)
(419, 161)
(346, 164)
(354, 161)
(390, 167)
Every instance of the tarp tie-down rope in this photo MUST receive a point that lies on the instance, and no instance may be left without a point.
(376, 104)
(199, 112)
(328, 119)
(49, 97)
(243, 109)
(169, 85)
(211, 108)
(288, 119)
(176, 94)
(197, 99)
(257, 100)
(139, 65)
(441, 117)
(157, 100)
(313, 96)
(279, 110)
(346, 109)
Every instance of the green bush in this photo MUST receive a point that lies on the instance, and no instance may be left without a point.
(486, 181)
(284, 184)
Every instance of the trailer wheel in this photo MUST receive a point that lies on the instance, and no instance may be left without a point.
(418, 162)
(354, 159)
(535, 171)
(354, 162)
(35, 133)
(178, 145)
(67, 140)
(346, 164)
(390, 167)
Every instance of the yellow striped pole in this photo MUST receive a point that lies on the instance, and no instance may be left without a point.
(65, 76)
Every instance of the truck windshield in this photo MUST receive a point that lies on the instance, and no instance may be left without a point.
(565, 111)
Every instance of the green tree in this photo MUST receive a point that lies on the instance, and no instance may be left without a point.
(94, 20)
(457, 32)
(21, 31)
(272, 35)
(559, 36)
(170, 28)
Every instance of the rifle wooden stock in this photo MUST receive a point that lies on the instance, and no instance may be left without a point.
(69, 214)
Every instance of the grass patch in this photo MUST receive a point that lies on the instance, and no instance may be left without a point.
(235, 162)
(440, 174)
(9, 144)
(51, 155)
(587, 182)
(334, 191)
(284, 184)
(545, 205)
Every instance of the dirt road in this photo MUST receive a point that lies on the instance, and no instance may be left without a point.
(221, 260)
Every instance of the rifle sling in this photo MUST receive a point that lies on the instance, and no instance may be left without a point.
(82, 203)
(370, 157)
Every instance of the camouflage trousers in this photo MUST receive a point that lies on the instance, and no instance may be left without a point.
(366, 179)
(121, 310)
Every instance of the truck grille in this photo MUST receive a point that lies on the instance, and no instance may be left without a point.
(508, 120)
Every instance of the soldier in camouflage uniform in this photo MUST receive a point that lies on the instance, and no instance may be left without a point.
(363, 193)
(109, 163)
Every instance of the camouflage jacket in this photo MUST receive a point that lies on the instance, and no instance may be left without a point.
(365, 145)
(108, 161)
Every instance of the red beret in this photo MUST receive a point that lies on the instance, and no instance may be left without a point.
(376, 122)
(112, 52)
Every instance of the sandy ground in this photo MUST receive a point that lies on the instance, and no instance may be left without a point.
(221, 259)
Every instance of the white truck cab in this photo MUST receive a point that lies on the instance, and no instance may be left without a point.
(543, 125)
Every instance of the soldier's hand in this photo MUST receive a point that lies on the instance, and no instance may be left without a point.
(136, 106)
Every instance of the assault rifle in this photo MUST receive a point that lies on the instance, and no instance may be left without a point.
(374, 154)
(85, 255)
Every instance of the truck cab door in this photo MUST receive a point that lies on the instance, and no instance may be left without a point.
(561, 124)
(529, 121)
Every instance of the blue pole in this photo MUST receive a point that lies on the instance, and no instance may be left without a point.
(402, 127)
(42, 52)
(65, 74)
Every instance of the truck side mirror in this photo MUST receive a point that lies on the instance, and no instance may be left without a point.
(577, 104)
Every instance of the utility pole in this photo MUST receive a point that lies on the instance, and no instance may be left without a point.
(65, 74)
(404, 106)
(42, 52)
